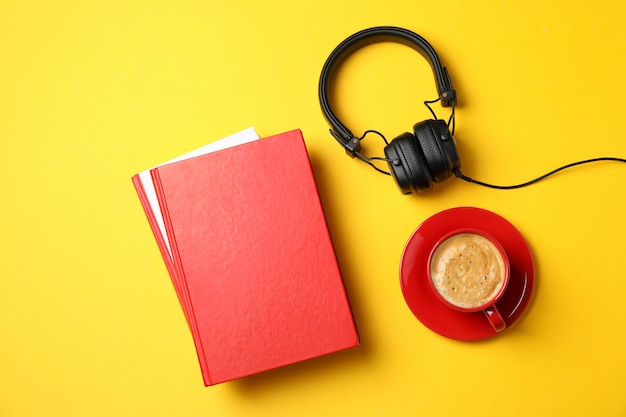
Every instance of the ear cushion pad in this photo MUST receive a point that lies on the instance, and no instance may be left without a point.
(428, 134)
(408, 165)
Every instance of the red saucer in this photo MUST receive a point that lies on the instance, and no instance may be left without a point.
(424, 303)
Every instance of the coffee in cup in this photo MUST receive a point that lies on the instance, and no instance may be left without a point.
(469, 272)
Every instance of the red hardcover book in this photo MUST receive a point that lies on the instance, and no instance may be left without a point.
(252, 258)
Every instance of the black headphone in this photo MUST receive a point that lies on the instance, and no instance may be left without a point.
(429, 154)
(416, 160)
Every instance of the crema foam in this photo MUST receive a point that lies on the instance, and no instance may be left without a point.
(467, 270)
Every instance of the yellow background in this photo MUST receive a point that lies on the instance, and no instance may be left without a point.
(93, 92)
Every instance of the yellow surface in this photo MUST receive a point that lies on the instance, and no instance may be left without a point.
(93, 92)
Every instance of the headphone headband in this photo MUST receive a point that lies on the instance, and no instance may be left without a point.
(361, 39)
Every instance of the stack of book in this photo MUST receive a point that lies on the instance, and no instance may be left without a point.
(242, 231)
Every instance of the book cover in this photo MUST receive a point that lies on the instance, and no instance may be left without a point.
(253, 258)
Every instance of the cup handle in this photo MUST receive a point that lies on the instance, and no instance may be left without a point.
(495, 319)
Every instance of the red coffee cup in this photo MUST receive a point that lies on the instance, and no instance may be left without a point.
(469, 271)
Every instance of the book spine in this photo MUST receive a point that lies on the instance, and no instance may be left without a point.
(165, 253)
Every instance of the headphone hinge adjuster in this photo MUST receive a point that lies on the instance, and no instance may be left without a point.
(352, 145)
(448, 98)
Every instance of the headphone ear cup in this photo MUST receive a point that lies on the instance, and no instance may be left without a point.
(438, 147)
(408, 166)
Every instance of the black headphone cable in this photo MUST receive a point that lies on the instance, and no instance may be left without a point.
(464, 177)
